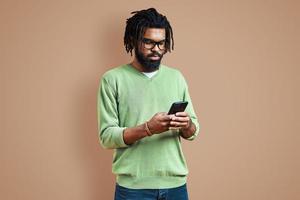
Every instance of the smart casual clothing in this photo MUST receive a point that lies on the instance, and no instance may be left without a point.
(127, 98)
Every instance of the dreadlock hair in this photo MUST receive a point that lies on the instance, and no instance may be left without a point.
(140, 21)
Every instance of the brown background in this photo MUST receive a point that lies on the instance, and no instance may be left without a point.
(241, 60)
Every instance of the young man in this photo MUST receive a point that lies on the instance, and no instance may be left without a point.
(132, 103)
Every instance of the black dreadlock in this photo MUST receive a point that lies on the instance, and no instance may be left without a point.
(138, 23)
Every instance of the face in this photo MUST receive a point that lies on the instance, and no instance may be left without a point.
(148, 54)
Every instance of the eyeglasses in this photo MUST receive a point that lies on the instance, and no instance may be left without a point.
(150, 44)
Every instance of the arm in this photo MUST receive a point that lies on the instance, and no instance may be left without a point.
(109, 133)
(159, 123)
(112, 136)
(187, 121)
(131, 135)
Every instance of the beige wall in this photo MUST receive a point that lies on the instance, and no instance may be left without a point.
(241, 60)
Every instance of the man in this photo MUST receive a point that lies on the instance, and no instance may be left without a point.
(132, 103)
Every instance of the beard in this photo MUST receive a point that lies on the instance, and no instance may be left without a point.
(146, 62)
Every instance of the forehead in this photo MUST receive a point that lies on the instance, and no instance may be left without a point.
(155, 34)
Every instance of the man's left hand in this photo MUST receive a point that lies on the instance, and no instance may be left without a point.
(181, 120)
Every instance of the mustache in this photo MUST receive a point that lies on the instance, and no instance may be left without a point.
(155, 54)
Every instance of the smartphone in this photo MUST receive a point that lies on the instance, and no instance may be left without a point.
(178, 106)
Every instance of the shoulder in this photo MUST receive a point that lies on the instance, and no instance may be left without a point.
(111, 77)
(114, 72)
(172, 71)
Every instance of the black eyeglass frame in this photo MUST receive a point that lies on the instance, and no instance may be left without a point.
(146, 41)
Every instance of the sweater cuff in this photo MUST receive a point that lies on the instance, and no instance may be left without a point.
(120, 143)
(195, 122)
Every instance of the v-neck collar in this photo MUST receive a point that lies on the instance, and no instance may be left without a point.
(133, 69)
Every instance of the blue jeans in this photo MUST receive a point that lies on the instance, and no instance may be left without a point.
(178, 193)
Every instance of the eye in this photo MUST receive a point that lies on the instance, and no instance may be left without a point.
(147, 41)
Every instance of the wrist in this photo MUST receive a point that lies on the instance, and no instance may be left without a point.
(188, 131)
(188, 126)
(146, 127)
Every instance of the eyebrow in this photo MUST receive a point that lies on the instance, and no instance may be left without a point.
(155, 41)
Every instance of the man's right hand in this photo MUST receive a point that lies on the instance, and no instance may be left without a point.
(159, 123)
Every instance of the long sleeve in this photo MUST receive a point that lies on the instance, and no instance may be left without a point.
(190, 110)
(109, 133)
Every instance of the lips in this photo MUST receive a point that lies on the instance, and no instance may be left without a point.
(155, 57)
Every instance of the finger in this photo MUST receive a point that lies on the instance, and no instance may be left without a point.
(181, 114)
(178, 124)
(174, 128)
(166, 117)
(181, 119)
(171, 115)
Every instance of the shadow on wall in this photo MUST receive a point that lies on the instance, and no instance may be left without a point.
(100, 182)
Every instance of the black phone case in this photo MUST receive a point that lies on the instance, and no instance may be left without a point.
(177, 107)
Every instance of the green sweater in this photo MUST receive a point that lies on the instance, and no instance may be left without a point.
(127, 98)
